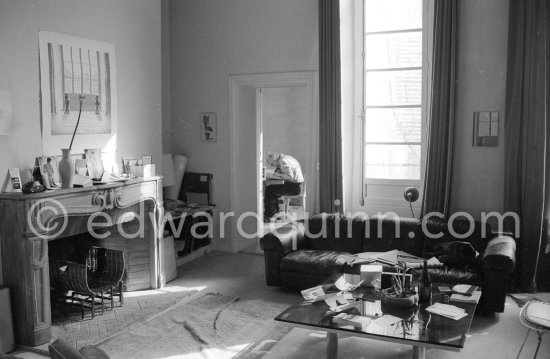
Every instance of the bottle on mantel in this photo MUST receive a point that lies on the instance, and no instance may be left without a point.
(425, 285)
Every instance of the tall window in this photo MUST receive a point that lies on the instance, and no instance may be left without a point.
(393, 89)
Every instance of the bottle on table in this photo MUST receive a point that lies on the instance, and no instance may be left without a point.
(425, 285)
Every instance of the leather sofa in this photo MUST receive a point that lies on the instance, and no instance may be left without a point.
(300, 255)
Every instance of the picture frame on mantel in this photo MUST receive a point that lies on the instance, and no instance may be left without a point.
(209, 126)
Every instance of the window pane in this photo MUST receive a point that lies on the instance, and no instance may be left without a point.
(392, 161)
(393, 50)
(393, 88)
(393, 125)
(381, 15)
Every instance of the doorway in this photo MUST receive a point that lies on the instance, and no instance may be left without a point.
(285, 129)
(286, 105)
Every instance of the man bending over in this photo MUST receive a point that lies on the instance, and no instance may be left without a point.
(287, 168)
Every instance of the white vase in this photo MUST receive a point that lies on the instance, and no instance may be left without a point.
(66, 169)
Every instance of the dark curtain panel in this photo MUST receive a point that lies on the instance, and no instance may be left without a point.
(437, 181)
(526, 133)
(330, 129)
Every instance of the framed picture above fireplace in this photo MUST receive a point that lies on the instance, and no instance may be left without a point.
(73, 68)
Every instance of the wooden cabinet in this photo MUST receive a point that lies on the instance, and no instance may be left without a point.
(29, 222)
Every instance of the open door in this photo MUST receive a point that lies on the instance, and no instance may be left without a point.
(248, 143)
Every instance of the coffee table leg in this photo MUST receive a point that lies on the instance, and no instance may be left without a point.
(332, 345)
(419, 352)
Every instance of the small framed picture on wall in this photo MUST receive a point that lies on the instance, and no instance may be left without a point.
(209, 126)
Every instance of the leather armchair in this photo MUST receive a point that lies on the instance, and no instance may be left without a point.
(498, 262)
(278, 244)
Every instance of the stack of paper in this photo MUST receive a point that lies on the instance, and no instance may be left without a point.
(389, 257)
(466, 293)
(464, 289)
(472, 298)
(356, 321)
(446, 310)
(360, 260)
(387, 320)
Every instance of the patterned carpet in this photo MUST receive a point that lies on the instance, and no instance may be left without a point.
(68, 324)
(209, 326)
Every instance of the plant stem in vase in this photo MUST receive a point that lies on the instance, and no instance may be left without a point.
(66, 164)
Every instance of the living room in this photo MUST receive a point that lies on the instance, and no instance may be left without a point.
(174, 62)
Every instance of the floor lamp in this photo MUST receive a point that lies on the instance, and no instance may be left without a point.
(411, 194)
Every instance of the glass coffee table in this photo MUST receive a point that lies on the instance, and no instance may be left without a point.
(413, 326)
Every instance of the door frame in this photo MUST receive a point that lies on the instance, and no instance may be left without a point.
(308, 79)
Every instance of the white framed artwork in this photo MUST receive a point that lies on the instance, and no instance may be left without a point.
(209, 126)
(71, 68)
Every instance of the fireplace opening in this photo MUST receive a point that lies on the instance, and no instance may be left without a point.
(84, 279)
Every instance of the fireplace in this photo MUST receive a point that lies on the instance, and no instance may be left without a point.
(118, 214)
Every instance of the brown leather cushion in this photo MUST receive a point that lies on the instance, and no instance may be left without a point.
(435, 227)
(335, 233)
(452, 276)
(316, 262)
(386, 233)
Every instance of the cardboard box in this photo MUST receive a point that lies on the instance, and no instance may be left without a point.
(371, 274)
(352, 278)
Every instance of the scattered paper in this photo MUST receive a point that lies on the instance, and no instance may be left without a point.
(342, 307)
(373, 309)
(348, 296)
(344, 286)
(374, 328)
(434, 262)
(386, 320)
(313, 293)
(447, 310)
(464, 289)
(359, 260)
(472, 298)
(356, 321)
(336, 301)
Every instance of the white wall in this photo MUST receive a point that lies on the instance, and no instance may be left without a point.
(133, 26)
(478, 172)
(212, 39)
(285, 122)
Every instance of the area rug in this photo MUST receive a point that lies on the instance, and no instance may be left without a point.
(67, 322)
(209, 326)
